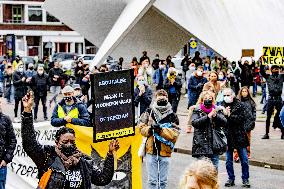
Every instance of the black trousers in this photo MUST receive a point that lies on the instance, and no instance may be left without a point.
(43, 101)
(17, 101)
(174, 100)
(274, 103)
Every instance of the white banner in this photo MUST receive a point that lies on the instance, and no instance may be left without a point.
(22, 172)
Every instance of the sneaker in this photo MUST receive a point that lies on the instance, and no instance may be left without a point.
(45, 118)
(246, 184)
(266, 136)
(230, 183)
(17, 120)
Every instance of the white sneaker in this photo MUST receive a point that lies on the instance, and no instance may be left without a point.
(17, 120)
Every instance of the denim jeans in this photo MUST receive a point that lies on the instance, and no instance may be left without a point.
(254, 88)
(55, 90)
(158, 168)
(244, 163)
(3, 174)
(1, 88)
(263, 90)
(10, 93)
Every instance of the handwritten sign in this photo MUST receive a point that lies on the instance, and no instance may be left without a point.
(113, 106)
(273, 55)
(247, 52)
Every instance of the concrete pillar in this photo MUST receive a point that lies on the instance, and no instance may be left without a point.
(72, 47)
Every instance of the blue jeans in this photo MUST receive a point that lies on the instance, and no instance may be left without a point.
(158, 168)
(254, 88)
(3, 174)
(263, 90)
(243, 155)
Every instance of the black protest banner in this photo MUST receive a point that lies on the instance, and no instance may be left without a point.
(113, 107)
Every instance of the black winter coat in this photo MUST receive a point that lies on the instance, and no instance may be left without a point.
(7, 139)
(202, 144)
(45, 157)
(144, 100)
(246, 74)
(40, 84)
(19, 85)
(236, 134)
(55, 71)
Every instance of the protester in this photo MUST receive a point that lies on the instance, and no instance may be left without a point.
(195, 86)
(197, 60)
(145, 70)
(215, 64)
(19, 82)
(207, 66)
(143, 95)
(70, 110)
(200, 175)
(79, 72)
(205, 118)
(235, 77)
(144, 57)
(64, 160)
(39, 85)
(7, 144)
(213, 84)
(120, 62)
(246, 74)
(16, 62)
(169, 62)
(173, 87)
(245, 97)
(9, 86)
(30, 73)
(185, 65)
(156, 61)
(159, 125)
(134, 66)
(55, 76)
(2, 71)
(275, 86)
(160, 75)
(78, 93)
(236, 115)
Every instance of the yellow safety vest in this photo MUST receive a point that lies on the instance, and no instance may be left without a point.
(74, 113)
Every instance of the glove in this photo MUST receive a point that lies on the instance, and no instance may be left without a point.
(156, 128)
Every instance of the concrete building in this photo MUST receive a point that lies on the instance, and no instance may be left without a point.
(36, 30)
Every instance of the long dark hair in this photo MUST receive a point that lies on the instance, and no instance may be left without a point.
(249, 95)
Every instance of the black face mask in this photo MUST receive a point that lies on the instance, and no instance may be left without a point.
(162, 102)
(275, 73)
(68, 150)
(67, 98)
(207, 103)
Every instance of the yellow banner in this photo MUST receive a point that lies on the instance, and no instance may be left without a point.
(127, 156)
(115, 134)
(273, 55)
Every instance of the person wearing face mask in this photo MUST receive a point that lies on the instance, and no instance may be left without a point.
(20, 85)
(160, 75)
(70, 111)
(64, 161)
(79, 72)
(173, 86)
(30, 73)
(195, 86)
(275, 86)
(237, 138)
(155, 63)
(196, 59)
(206, 117)
(145, 69)
(213, 84)
(9, 86)
(2, 71)
(246, 74)
(39, 83)
(16, 62)
(185, 65)
(142, 95)
(55, 76)
(160, 125)
(237, 75)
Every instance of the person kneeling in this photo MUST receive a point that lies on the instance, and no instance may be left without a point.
(68, 167)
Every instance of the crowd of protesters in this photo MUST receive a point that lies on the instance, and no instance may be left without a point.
(222, 111)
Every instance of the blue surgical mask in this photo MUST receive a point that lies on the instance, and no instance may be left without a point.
(140, 83)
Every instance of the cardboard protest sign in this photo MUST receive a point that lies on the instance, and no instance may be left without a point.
(247, 52)
(113, 106)
(273, 55)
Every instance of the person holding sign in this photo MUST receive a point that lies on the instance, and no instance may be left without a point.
(160, 125)
(63, 166)
(70, 110)
(275, 85)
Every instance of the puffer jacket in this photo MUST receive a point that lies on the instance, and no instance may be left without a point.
(40, 84)
(44, 156)
(153, 146)
(203, 131)
(195, 86)
(235, 130)
(7, 139)
(83, 118)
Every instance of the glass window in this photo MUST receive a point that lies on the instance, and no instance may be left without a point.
(17, 14)
(35, 13)
(50, 18)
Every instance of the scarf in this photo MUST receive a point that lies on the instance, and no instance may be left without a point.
(160, 112)
(69, 161)
(206, 110)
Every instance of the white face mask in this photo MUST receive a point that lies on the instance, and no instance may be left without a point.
(207, 65)
(192, 68)
(228, 99)
(40, 72)
(199, 73)
(140, 83)
(161, 67)
(220, 77)
(21, 69)
(146, 65)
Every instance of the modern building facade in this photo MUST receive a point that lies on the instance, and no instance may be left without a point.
(37, 32)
